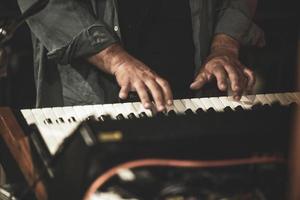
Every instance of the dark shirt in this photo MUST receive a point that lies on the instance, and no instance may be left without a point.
(159, 33)
(68, 31)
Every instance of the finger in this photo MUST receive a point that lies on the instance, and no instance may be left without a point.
(234, 77)
(143, 95)
(123, 94)
(251, 78)
(200, 80)
(166, 90)
(221, 76)
(157, 94)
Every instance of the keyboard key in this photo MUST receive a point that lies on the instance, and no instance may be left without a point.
(189, 105)
(227, 103)
(200, 106)
(140, 109)
(180, 108)
(207, 103)
(218, 105)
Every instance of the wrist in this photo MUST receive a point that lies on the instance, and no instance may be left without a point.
(109, 59)
(222, 42)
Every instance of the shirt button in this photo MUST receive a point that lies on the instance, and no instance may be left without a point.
(116, 28)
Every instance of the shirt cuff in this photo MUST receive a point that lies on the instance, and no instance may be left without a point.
(237, 25)
(88, 42)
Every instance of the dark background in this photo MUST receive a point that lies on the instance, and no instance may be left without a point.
(275, 64)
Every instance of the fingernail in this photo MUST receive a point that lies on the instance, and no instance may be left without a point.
(223, 86)
(147, 105)
(170, 102)
(161, 108)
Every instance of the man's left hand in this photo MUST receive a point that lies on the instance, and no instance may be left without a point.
(223, 64)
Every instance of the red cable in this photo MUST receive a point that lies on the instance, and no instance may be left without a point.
(101, 180)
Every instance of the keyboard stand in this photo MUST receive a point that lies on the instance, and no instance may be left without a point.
(19, 146)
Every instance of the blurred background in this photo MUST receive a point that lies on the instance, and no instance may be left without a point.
(275, 64)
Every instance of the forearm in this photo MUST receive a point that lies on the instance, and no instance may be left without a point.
(109, 59)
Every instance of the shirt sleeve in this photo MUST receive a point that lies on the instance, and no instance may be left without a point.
(68, 29)
(235, 20)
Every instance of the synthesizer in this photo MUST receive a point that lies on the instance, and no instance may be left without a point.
(57, 123)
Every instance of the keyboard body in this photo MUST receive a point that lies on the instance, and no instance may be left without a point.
(68, 142)
(57, 123)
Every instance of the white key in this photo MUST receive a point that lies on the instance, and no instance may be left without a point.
(263, 100)
(218, 105)
(292, 97)
(189, 104)
(251, 100)
(247, 102)
(80, 112)
(28, 115)
(99, 111)
(172, 107)
(226, 102)
(62, 127)
(90, 110)
(120, 109)
(206, 102)
(51, 134)
(110, 110)
(236, 103)
(49, 137)
(179, 106)
(283, 100)
(272, 98)
(38, 115)
(297, 94)
(130, 109)
(199, 104)
(71, 115)
(49, 114)
(60, 114)
(140, 108)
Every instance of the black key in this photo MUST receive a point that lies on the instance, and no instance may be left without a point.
(143, 115)
(200, 111)
(132, 116)
(160, 114)
(71, 120)
(276, 104)
(172, 113)
(239, 108)
(210, 110)
(60, 120)
(189, 112)
(48, 121)
(120, 117)
(92, 117)
(105, 118)
(228, 109)
(266, 106)
(257, 106)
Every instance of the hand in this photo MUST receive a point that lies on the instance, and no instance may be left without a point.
(132, 75)
(223, 65)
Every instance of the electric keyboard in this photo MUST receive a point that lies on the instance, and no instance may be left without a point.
(57, 123)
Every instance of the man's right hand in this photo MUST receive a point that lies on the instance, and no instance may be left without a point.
(133, 75)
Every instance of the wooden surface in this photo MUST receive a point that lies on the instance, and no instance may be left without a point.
(295, 161)
(19, 146)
